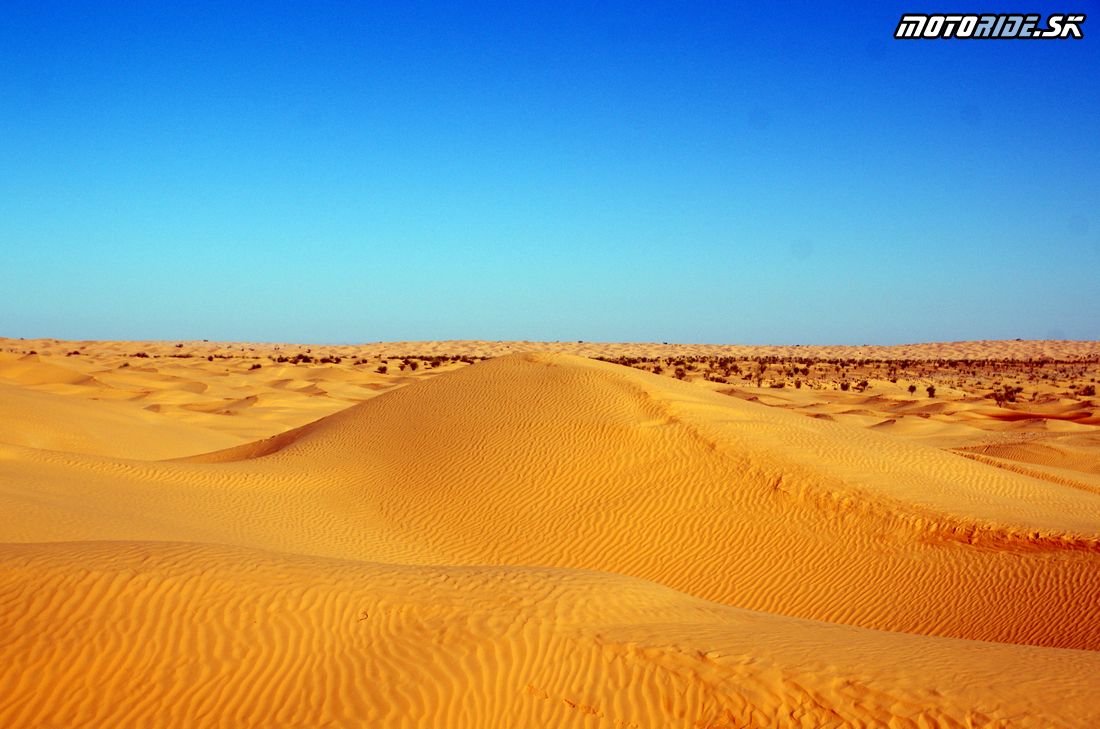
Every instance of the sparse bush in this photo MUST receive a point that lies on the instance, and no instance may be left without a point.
(845, 385)
(255, 366)
(680, 373)
(931, 390)
(381, 369)
(912, 389)
(1005, 394)
(798, 384)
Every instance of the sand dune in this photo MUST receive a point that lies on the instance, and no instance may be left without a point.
(538, 540)
(742, 504)
(48, 421)
(140, 634)
(30, 369)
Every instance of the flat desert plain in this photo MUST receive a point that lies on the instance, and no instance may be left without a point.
(526, 534)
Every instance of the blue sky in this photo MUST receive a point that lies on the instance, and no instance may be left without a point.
(690, 172)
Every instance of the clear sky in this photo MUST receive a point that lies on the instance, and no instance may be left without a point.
(636, 171)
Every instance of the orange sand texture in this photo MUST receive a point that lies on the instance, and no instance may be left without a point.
(519, 535)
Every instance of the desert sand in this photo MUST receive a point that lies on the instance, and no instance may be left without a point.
(526, 534)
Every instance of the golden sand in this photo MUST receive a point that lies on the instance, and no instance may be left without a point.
(542, 539)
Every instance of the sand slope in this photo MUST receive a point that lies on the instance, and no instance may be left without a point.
(140, 634)
(110, 428)
(738, 564)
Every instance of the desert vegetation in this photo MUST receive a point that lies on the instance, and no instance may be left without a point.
(1005, 382)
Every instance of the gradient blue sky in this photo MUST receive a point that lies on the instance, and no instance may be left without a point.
(346, 172)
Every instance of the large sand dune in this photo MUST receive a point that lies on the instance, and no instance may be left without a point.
(535, 540)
